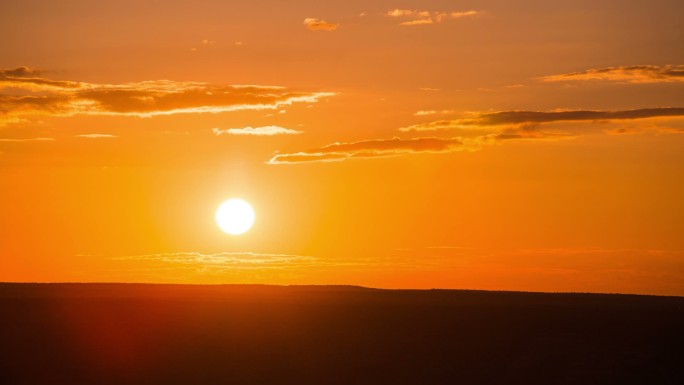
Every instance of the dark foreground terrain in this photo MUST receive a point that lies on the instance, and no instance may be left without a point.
(174, 334)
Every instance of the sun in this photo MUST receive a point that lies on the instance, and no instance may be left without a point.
(235, 216)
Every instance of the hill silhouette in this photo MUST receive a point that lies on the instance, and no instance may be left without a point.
(250, 334)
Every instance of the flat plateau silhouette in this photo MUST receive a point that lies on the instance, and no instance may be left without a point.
(252, 334)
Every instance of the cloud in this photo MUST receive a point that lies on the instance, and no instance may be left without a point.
(624, 74)
(204, 43)
(375, 148)
(456, 15)
(417, 22)
(656, 127)
(486, 129)
(259, 131)
(319, 25)
(242, 263)
(395, 144)
(31, 94)
(417, 17)
(27, 140)
(406, 12)
(382, 148)
(432, 112)
(436, 125)
(19, 72)
(308, 157)
(96, 136)
(561, 269)
(425, 112)
(517, 118)
(227, 260)
(30, 79)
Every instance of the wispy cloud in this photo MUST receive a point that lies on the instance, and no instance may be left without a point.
(407, 12)
(96, 136)
(517, 118)
(566, 269)
(319, 25)
(27, 140)
(258, 131)
(457, 15)
(227, 260)
(254, 267)
(32, 94)
(418, 22)
(432, 112)
(375, 149)
(418, 17)
(624, 74)
(31, 79)
(487, 129)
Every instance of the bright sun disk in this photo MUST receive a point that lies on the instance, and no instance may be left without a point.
(235, 216)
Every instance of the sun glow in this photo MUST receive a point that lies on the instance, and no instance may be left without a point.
(235, 216)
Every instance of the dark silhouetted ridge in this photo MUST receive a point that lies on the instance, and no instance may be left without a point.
(259, 334)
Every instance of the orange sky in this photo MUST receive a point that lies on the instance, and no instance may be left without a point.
(456, 144)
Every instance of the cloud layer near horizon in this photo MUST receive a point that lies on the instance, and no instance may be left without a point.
(469, 265)
(27, 92)
(227, 260)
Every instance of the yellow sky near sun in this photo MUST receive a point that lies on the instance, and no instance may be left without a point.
(478, 144)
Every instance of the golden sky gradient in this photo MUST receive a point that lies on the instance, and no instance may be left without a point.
(495, 144)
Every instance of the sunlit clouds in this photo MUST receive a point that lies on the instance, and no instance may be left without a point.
(12, 140)
(492, 128)
(28, 79)
(96, 136)
(508, 118)
(432, 112)
(374, 149)
(624, 74)
(520, 268)
(416, 17)
(26, 93)
(204, 43)
(315, 24)
(226, 260)
(256, 131)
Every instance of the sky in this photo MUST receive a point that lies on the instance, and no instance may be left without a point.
(498, 145)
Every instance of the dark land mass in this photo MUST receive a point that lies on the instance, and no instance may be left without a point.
(184, 334)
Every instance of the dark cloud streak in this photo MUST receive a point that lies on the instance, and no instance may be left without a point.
(513, 118)
(628, 74)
